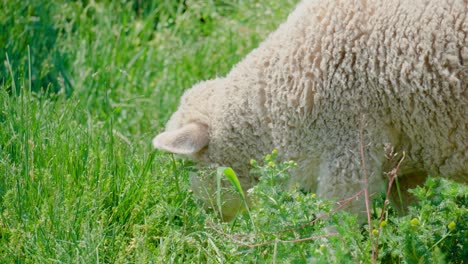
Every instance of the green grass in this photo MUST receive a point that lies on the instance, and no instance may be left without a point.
(84, 87)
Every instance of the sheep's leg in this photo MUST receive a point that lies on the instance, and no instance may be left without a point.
(343, 177)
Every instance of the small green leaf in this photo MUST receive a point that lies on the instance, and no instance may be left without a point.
(232, 177)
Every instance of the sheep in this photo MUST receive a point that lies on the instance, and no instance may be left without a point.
(400, 67)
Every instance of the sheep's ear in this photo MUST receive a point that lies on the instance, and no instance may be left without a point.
(186, 140)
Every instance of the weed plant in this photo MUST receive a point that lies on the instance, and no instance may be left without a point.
(284, 224)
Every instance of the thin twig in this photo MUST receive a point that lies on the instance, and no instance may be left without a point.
(240, 242)
(392, 176)
(366, 188)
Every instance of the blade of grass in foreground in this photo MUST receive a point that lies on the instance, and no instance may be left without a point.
(232, 177)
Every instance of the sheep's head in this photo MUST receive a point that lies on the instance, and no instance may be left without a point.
(190, 133)
(187, 132)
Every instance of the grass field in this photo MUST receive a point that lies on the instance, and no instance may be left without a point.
(86, 85)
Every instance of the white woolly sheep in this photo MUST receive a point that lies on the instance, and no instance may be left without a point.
(400, 65)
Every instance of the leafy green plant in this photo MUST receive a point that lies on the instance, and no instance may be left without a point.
(294, 226)
(435, 228)
(291, 225)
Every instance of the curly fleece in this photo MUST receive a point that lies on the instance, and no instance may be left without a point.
(397, 66)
